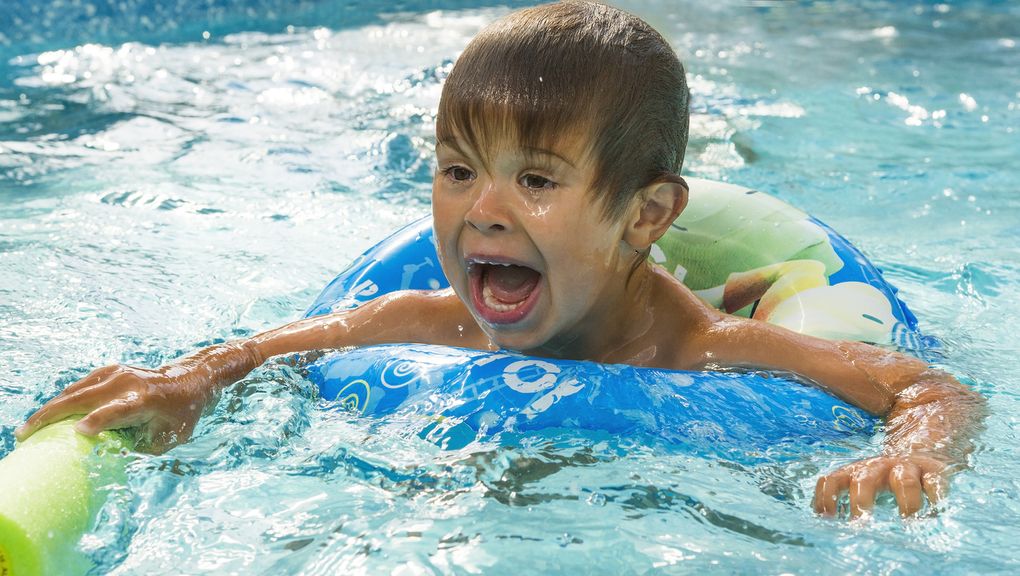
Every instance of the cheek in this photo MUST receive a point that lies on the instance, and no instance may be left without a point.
(596, 260)
(446, 249)
(443, 234)
(592, 242)
(444, 213)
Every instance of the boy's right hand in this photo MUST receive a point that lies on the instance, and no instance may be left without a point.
(164, 403)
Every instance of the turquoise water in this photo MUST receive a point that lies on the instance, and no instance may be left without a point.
(160, 190)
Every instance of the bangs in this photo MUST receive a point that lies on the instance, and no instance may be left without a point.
(577, 76)
(501, 108)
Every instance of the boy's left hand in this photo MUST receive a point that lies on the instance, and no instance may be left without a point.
(906, 476)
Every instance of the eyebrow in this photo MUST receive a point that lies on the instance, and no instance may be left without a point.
(454, 144)
(545, 152)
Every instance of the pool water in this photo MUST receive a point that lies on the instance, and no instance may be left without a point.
(173, 174)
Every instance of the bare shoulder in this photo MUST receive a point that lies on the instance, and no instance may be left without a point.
(682, 320)
(702, 336)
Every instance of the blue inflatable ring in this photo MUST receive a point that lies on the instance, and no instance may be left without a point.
(458, 396)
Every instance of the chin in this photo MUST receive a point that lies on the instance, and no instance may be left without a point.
(513, 340)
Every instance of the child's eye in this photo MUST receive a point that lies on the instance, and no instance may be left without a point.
(536, 182)
(458, 173)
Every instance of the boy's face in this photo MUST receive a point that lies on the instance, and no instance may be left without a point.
(523, 243)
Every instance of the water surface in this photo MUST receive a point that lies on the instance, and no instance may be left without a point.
(174, 175)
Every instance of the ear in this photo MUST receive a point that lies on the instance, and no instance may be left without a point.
(658, 205)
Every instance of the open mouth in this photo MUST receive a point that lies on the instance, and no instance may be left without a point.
(503, 293)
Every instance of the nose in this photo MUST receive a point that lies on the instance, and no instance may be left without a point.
(488, 212)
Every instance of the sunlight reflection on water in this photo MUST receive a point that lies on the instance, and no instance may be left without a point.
(157, 194)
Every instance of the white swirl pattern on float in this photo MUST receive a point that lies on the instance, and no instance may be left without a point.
(399, 373)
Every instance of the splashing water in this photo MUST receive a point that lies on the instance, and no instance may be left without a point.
(174, 175)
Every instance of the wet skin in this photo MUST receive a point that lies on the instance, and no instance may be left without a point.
(534, 208)
(596, 299)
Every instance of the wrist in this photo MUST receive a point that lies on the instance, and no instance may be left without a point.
(248, 351)
(234, 360)
(939, 461)
(218, 366)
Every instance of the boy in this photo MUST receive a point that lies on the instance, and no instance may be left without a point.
(559, 139)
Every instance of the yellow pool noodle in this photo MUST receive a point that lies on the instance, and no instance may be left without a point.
(49, 496)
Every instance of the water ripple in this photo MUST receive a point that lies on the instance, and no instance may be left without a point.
(161, 190)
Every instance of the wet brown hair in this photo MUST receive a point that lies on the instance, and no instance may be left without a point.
(573, 68)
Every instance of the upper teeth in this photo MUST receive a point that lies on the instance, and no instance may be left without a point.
(493, 263)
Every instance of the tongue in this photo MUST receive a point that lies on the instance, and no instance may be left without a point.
(511, 284)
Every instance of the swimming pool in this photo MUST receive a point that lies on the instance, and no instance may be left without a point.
(160, 188)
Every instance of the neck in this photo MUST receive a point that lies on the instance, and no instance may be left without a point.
(614, 331)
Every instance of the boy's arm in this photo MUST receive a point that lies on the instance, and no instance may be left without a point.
(930, 416)
(167, 402)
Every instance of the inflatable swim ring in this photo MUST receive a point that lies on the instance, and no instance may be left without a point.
(741, 250)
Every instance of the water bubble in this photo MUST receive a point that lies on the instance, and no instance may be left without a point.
(567, 539)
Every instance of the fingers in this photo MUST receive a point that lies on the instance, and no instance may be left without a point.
(935, 486)
(79, 398)
(906, 477)
(94, 377)
(864, 484)
(80, 402)
(905, 484)
(125, 397)
(909, 480)
(121, 413)
(57, 409)
(862, 480)
(828, 490)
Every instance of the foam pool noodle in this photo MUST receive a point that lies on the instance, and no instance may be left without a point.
(51, 487)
